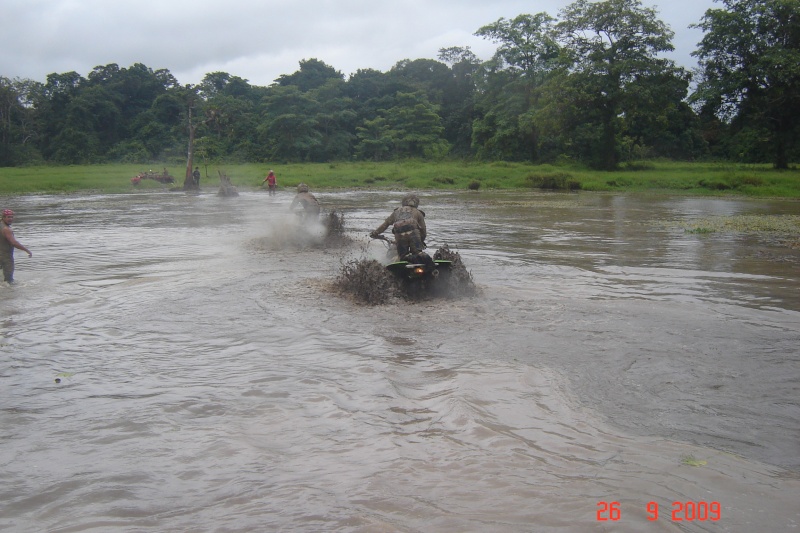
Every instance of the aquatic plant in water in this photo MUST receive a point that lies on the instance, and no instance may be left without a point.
(789, 225)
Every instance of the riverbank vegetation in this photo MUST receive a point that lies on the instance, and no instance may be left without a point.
(683, 178)
(592, 86)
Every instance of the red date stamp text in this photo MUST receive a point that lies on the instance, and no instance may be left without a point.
(680, 512)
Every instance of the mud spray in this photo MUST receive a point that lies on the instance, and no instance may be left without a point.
(364, 280)
(367, 281)
(291, 232)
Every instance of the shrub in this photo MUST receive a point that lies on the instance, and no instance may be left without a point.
(559, 181)
(714, 185)
(618, 183)
(638, 166)
(752, 181)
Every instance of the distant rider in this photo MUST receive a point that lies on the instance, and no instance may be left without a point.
(408, 227)
(308, 201)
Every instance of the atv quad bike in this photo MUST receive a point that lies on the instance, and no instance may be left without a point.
(418, 273)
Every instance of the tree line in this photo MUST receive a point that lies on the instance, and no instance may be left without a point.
(590, 86)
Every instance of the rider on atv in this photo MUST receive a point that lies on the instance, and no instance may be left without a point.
(408, 226)
(308, 202)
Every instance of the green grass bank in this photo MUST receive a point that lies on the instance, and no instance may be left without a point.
(657, 176)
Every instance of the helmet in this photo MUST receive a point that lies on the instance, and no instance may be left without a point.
(302, 188)
(8, 212)
(411, 199)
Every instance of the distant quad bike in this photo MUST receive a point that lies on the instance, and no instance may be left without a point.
(163, 177)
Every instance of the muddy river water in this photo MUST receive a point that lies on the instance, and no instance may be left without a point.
(616, 372)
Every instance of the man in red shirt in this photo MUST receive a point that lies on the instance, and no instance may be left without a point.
(271, 182)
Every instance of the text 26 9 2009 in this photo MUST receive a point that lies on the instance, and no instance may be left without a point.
(680, 512)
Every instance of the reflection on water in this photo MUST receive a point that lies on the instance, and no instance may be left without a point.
(211, 382)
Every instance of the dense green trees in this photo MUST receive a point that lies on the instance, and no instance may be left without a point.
(512, 85)
(18, 131)
(592, 85)
(616, 73)
(750, 75)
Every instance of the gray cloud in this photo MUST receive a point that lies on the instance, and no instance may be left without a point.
(261, 40)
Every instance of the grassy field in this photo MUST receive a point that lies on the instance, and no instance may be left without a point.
(657, 176)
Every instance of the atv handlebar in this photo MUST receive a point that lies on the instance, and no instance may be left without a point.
(387, 241)
(390, 241)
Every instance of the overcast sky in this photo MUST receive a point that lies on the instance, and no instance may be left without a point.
(259, 40)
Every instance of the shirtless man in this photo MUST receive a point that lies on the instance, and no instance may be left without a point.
(7, 244)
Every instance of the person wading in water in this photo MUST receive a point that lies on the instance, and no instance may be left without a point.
(7, 244)
(271, 182)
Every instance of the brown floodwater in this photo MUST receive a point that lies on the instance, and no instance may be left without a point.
(211, 380)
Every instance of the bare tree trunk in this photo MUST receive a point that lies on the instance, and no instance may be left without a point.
(188, 181)
(783, 139)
